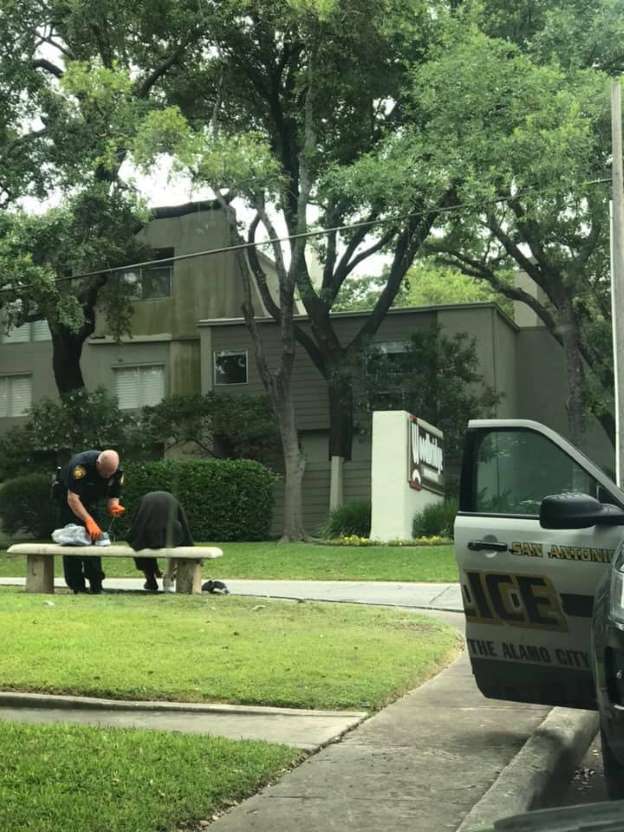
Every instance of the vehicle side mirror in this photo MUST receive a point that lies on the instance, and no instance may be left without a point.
(577, 511)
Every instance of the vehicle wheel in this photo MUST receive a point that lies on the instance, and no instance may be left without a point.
(613, 770)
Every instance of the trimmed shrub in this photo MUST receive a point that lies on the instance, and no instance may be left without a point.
(350, 519)
(26, 505)
(436, 519)
(224, 499)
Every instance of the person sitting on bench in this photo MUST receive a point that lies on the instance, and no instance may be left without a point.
(159, 522)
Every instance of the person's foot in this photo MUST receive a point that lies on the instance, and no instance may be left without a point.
(96, 587)
(151, 584)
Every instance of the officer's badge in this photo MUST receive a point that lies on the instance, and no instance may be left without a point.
(79, 472)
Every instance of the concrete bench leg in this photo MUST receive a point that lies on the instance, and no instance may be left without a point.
(189, 577)
(40, 574)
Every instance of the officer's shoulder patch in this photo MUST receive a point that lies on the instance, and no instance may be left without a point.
(78, 472)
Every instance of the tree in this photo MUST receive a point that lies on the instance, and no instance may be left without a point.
(38, 253)
(76, 79)
(424, 285)
(234, 427)
(54, 429)
(320, 90)
(436, 377)
(532, 183)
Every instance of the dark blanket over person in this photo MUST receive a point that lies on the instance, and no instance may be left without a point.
(159, 522)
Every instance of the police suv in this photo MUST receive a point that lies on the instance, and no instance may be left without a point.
(539, 543)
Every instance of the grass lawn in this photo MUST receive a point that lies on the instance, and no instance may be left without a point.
(82, 779)
(302, 561)
(222, 649)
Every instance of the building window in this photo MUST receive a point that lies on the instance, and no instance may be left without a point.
(35, 331)
(15, 395)
(387, 363)
(230, 367)
(141, 386)
(151, 282)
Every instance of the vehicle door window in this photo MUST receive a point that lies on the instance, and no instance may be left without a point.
(515, 469)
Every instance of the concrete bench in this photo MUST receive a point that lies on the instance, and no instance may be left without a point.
(40, 561)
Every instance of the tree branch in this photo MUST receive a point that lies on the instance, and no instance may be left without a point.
(48, 66)
(258, 272)
(143, 89)
(410, 241)
(352, 245)
(274, 310)
(340, 277)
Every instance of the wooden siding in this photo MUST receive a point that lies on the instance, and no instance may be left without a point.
(357, 486)
(309, 387)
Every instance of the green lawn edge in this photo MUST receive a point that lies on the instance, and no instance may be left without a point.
(219, 649)
(87, 779)
(269, 560)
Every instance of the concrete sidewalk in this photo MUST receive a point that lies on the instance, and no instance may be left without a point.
(420, 765)
(423, 596)
(301, 728)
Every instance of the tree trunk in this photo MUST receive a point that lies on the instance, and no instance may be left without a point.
(66, 354)
(340, 392)
(294, 466)
(574, 372)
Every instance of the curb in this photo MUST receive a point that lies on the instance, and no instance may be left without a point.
(15, 699)
(541, 768)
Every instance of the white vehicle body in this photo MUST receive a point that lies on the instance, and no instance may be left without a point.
(529, 591)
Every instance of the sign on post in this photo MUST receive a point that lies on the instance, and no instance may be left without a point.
(407, 472)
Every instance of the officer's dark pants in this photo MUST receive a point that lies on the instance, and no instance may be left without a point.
(79, 570)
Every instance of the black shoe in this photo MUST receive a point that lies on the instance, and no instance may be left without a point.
(96, 587)
(216, 588)
(151, 584)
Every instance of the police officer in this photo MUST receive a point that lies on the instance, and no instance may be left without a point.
(88, 479)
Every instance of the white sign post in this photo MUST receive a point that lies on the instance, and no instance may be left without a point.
(407, 472)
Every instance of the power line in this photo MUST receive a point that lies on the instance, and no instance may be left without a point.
(305, 234)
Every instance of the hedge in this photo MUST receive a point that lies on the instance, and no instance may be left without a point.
(224, 499)
(26, 505)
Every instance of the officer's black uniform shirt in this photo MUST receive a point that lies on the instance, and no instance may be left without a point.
(81, 477)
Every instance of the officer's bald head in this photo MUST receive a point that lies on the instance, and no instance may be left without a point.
(107, 463)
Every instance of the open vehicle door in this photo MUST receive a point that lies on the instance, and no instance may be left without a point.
(528, 591)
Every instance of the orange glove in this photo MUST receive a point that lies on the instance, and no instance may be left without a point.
(93, 530)
(116, 510)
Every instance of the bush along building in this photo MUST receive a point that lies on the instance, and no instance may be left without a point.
(188, 336)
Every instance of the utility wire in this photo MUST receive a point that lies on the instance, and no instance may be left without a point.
(303, 234)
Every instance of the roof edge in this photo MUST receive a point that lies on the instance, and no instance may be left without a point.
(407, 310)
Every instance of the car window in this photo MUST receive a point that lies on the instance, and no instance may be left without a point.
(516, 469)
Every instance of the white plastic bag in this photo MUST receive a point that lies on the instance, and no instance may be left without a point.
(74, 535)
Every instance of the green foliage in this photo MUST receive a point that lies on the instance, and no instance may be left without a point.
(436, 378)
(425, 284)
(350, 519)
(25, 505)
(224, 499)
(435, 519)
(56, 429)
(224, 425)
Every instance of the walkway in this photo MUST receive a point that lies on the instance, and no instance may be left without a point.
(445, 597)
